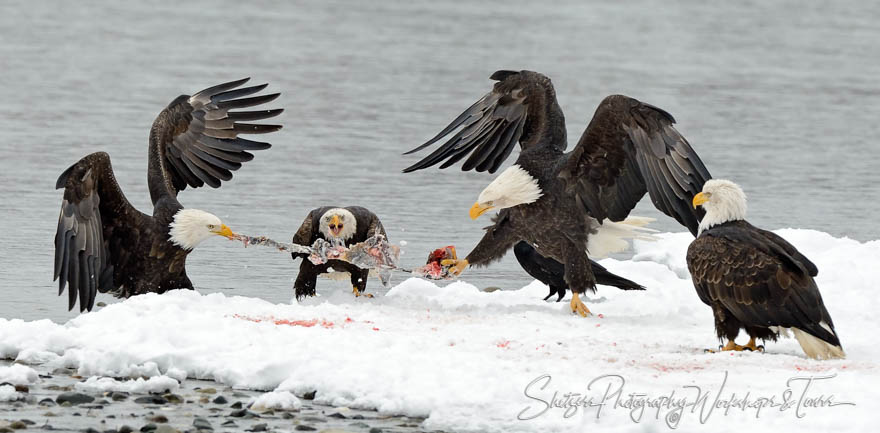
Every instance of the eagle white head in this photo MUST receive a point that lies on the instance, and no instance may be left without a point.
(191, 227)
(338, 223)
(723, 201)
(512, 187)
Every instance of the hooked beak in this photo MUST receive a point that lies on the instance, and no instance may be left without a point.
(477, 210)
(335, 225)
(699, 199)
(225, 231)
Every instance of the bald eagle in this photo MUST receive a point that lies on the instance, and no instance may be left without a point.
(103, 244)
(551, 272)
(754, 279)
(558, 201)
(340, 225)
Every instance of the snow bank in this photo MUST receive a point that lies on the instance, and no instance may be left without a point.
(157, 384)
(503, 361)
(17, 374)
(8, 393)
(278, 400)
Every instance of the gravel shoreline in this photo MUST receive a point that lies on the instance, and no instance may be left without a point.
(198, 406)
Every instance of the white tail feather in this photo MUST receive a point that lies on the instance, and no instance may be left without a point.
(816, 348)
(613, 237)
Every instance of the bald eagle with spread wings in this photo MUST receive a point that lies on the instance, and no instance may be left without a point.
(103, 244)
(557, 202)
(755, 280)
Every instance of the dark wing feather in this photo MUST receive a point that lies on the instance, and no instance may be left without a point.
(195, 140)
(95, 226)
(630, 148)
(370, 221)
(520, 108)
(305, 235)
(760, 283)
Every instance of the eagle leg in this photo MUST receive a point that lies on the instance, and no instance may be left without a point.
(751, 346)
(578, 306)
(357, 293)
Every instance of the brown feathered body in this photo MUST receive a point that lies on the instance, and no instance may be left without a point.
(755, 280)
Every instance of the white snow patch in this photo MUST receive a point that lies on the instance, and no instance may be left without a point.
(157, 384)
(17, 374)
(277, 400)
(463, 358)
(8, 393)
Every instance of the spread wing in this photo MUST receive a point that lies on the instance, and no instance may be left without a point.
(630, 148)
(196, 138)
(305, 234)
(376, 228)
(370, 220)
(752, 273)
(95, 227)
(520, 108)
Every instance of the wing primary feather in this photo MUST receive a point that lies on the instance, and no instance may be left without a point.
(452, 125)
(204, 177)
(249, 128)
(205, 153)
(233, 157)
(483, 145)
(237, 93)
(247, 102)
(456, 155)
(83, 287)
(248, 116)
(233, 145)
(212, 171)
(182, 169)
(205, 95)
(501, 145)
(509, 148)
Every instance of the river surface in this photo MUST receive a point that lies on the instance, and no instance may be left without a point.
(781, 97)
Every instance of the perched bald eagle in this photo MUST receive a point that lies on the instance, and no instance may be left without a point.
(551, 272)
(338, 225)
(558, 201)
(754, 279)
(103, 244)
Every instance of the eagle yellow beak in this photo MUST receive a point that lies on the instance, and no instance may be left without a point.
(225, 231)
(699, 199)
(335, 225)
(477, 210)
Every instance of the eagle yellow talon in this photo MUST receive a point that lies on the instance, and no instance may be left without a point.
(456, 266)
(357, 293)
(577, 306)
(731, 346)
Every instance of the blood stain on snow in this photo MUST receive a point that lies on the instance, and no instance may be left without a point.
(505, 344)
(305, 323)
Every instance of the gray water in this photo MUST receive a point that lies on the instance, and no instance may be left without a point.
(781, 97)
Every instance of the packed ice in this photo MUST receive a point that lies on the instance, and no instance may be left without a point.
(504, 361)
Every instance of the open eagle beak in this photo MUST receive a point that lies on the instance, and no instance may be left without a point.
(699, 199)
(477, 210)
(335, 225)
(225, 231)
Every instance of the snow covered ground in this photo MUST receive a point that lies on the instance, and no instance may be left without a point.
(475, 361)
